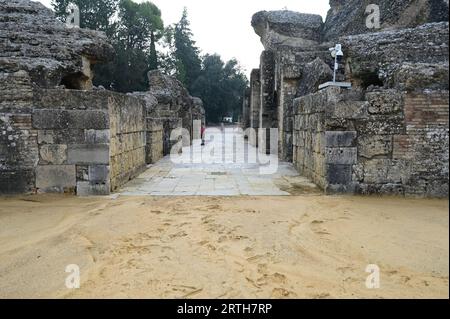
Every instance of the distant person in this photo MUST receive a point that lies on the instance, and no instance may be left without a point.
(203, 130)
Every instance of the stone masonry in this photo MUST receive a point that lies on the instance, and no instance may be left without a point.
(388, 134)
(57, 132)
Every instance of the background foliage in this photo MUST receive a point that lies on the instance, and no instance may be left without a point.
(143, 43)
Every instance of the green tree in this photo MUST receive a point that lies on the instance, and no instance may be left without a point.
(95, 15)
(140, 27)
(220, 86)
(186, 53)
(133, 29)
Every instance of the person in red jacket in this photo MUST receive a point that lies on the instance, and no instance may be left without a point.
(203, 130)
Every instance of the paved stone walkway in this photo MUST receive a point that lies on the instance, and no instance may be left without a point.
(228, 175)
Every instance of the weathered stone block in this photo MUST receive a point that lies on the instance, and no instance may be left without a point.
(348, 109)
(385, 102)
(53, 154)
(154, 125)
(66, 136)
(331, 189)
(339, 174)
(375, 146)
(381, 125)
(97, 136)
(56, 178)
(98, 173)
(17, 182)
(88, 154)
(318, 143)
(385, 171)
(70, 119)
(336, 124)
(88, 189)
(341, 138)
(342, 156)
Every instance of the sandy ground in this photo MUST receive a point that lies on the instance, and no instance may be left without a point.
(184, 247)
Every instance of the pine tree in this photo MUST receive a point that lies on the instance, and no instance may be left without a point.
(188, 62)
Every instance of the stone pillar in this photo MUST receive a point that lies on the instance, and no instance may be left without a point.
(255, 103)
(245, 119)
(290, 79)
(268, 116)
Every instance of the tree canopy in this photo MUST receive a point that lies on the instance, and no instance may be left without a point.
(133, 28)
(142, 43)
(221, 86)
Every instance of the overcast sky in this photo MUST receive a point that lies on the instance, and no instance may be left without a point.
(223, 26)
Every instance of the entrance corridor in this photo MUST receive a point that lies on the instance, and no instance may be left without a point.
(231, 170)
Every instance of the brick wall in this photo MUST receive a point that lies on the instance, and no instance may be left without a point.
(425, 142)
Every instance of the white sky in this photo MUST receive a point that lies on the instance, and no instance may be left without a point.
(223, 26)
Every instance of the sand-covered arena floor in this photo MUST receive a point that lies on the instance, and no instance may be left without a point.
(308, 246)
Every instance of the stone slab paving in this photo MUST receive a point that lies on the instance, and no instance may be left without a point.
(228, 175)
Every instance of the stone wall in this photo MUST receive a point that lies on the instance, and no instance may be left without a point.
(128, 138)
(348, 17)
(52, 54)
(73, 141)
(309, 135)
(379, 141)
(174, 103)
(68, 141)
(291, 40)
(19, 152)
(389, 133)
(155, 140)
(60, 134)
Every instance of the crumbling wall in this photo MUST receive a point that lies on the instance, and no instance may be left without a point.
(57, 132)
(175, 108)
(291, 40)
(389, 133)
(348, 17)
(52, 54)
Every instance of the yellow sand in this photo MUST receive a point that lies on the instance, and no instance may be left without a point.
(266, 247)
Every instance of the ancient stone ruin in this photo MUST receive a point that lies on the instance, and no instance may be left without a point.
(58, 133)
(388, 134)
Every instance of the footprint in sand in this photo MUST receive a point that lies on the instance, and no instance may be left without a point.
(280, 293)
(318, 229)
(178, 235)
